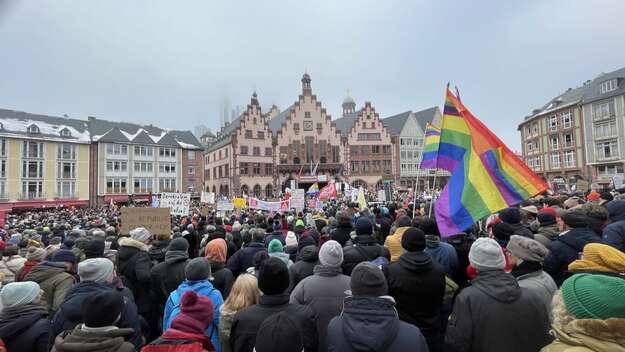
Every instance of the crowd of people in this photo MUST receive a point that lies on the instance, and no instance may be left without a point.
(547, 275)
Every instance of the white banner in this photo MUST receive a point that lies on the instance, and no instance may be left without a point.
(224, 205)
(381, 195)
(178, 203)
(254, 203)
(298, 197)
(207, 197)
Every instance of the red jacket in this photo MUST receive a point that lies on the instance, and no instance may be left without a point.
(174, 340)
(28, 266)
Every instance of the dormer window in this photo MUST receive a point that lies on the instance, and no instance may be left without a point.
(608, 86)
(33, 129)
(1, 126)
(65, 133)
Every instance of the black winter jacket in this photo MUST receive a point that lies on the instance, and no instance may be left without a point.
(222, 278)
(565, 249)
(244, 258)
(133, 266)
(25, 328)
(495, 315)
(276, 235)
(247, 321)
(304, 267)
(418, 285)
(157, 250)
(371, 324)
(365, 248)
(614, 233)
(341, 233)
(165, 277)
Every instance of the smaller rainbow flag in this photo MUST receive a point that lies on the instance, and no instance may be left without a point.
(313, 190)
(430, 149)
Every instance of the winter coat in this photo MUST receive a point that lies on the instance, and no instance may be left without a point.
(284, 257)
(614, 233)
(589, 335)
(384, 227)
(54, 280)
(371, 324)
(418, 286)
(341, 233)
(225, 325)
(177, 340)
(248, 320)
(204, 288)
(393, 243)
(69, 315)
(222, 278)
(133, 266)
(365, 248)
(442, 253)
(495, 314)
(25, 328)
(94, 341)
(157, 250)
(536, 280)
(28, 266)
(521, 230)
(276, 235)
(244, 258)
(167, 276)
(10, 267)
(324, 293)
(546, 234)
(304, 267)
(565, 249)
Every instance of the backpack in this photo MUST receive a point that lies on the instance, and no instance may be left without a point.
(176, 310)
(165, 345)
(378, 261)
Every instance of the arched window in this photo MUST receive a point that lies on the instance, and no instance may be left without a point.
(359, 183)
(214, 189)
(257, 191)
(221, 190)
(245, 190)
(227, 191)
(269, 191)
(379, 185)
(33, 129)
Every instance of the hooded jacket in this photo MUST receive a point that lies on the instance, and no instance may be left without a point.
(93, 341)
(365, 248)
(341, 233)
(531, 276)
(284, 257)
(324, 293)
(304, 267)
(54, 280)
(495, 314)
(393, 243)
(614, 233)
(418, 286)
(244, 258)
(133, 266)
(371, 324)
(589, 335)
(442, 253)
(547, 233)
(222, 278)
(167, 276)
(25, 328)
(69, 315)
(158, 250)
(565, 249)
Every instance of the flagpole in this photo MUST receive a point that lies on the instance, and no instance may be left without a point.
(433, 187)
(414, 193)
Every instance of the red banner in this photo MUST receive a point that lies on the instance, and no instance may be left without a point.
(328, 192)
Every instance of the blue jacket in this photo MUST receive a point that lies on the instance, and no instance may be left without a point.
(204, 288)
(565, 249)
(444, 254)
(614, 233)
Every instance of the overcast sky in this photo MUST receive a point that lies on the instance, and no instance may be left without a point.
(171, 63)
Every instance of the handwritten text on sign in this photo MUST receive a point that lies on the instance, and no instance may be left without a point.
(178, 203)
(155, 220)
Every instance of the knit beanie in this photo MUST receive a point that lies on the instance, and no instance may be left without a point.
(216, 250)
(275, 246)
(196, 313)
(178, 244)
(575, 219)
(510, 215)
(64, 255)
(99, 234)
(600, 257)
(331, 254)
(593, 196)
(547, 216)
(306, 241)
(413, 240)
(368, 280)
(19, 293)
(36, 254)
(607, 196)
(102, 309)
(363, 226)
(429, 227)
(590, 296)
(486, 255)
(527, 249)
(95, 269)
(94, 248)
(140, 234)
(273, 276)
(291, 239)
(279, 332)
(299, 223)
(197, 269)
(502, 231)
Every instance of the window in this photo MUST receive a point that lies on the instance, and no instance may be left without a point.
(256, 151)
(528, 132)
(66, 151)
(566, 119)
(555, 160)
(167, 168)
(268, 191)
(66, 170)
(143, 151)
(143, 167)
(142, 185)
(319, 127)
(554, 142)
(3, 147)
(530, 146)
(553, 123)
(386, 149)
(268, 169)
(568, 140)
(309, 150)
(335, 154)
(610, 170)
(65, 133)
(190, 170)
(244, 169)
(32, 129)
(166, 184)
(323, 151)
(605, 130)
(32, 189)
(248, 133)
(116, 149)
(369, 137)
(244, 150)
(535, 129)
(569, 158)
(260, 134)
(296, 127)
(167, 152)
(268, 151)
(307, 114)
(607, 149)
(256, 169)
(603, 110)
(32, 169)
(65, 189)
(608, 86)
(220, 155)
(191, 154)
(227, 170)
(32, 150)
(116, 166)
(3, 169)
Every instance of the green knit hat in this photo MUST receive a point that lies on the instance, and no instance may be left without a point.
(275, 246)
(590, 296)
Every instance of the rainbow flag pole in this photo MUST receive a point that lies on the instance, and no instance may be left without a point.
(430, 154)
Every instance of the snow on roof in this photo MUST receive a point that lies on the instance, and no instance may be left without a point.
(187, 145)
(18, 126)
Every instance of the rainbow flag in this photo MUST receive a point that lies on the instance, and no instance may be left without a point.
(313, 190)
(486, 176)
(430, 149)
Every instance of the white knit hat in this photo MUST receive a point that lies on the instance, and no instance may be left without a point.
(290, 239)
(486, 254)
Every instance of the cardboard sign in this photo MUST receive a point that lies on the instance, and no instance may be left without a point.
(298, 197)
(239, 202)
(178, 203)
(155, 220)
(617, 180)
(582, 186)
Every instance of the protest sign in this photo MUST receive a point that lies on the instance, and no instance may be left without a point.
(298, 196)
(207, 197)
(617, 180)
(225, 205)
(381, 195)
(155, 220)
(255, 203)
(311, 203)
(582, 186)
(178, 203)
(239, 202)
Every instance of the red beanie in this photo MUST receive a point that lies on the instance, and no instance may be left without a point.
(593, 196)
(549, 210)
(196, 313)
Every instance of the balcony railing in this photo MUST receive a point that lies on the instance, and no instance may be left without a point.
(31, 196)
